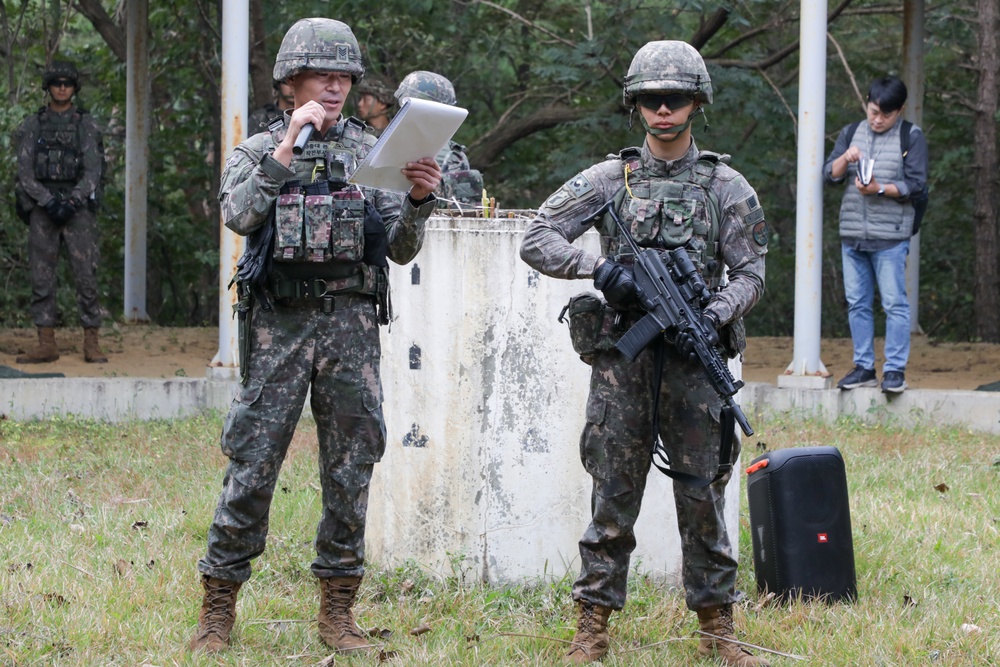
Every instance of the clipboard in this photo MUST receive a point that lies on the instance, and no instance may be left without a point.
(420, 129)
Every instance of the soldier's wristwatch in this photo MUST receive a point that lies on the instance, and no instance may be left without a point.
(881, 191)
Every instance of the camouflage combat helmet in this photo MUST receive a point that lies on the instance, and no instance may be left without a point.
(377, 88)
(667, 66)
(318, 44)
(426, 86)
(61, 69)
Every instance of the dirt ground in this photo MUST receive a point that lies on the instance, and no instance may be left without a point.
(158, 352)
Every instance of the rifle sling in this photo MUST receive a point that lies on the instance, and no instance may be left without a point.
(727, 422)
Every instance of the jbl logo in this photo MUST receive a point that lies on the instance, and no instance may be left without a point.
(822, 538)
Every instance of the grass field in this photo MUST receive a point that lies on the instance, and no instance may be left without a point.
(101, 526)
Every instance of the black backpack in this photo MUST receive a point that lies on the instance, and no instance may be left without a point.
(918, 199)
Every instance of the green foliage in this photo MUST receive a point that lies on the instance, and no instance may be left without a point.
(510, 59)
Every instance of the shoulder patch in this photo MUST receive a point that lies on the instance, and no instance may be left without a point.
(760, 233)
(579, 186)
(572, 190)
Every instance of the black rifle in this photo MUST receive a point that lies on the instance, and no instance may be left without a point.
(672, 293)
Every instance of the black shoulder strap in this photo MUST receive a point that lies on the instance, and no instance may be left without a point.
(851, 129)
(904, 137)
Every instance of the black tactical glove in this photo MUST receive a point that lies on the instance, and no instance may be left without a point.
(53, 208)
(685, 341)
(617, 283)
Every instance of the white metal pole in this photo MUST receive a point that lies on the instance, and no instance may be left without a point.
(235, 68)
(806, 368)
(137, 93)
(913, 77)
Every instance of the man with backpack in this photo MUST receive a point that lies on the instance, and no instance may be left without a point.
(886, 160)
(60, 159)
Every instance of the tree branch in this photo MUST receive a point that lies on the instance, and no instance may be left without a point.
(485, 151)
(112, 34)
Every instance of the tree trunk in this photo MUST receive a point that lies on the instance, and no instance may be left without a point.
(986, 293)
(261, 67)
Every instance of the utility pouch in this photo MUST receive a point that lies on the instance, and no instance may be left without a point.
(592, 325)
(244, 314)
(289, 222)
(22, 203)
(733, 338)
(318, 213)
(347, 229)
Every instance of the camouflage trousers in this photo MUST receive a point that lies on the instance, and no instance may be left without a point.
(294, 349)
(81, 240)
(615, 448)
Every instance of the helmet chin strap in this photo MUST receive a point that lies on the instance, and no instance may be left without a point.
(664, 135)
(676, 130)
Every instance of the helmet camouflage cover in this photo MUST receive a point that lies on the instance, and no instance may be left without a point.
(426, 86)
(667, 67)
(321, 44)
(378, 88)
(61, 69)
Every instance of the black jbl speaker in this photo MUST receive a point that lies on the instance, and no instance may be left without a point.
(801, 524)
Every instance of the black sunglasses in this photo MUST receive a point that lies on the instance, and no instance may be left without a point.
(674, 101)
(63, 83)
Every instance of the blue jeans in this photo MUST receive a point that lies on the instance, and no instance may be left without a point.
(862, 271)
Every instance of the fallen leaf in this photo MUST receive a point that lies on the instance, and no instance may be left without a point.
(970, 628)
(471, 638)
(407, 586)
(761, 446)
(76, 528)
(386, 656)
(765, 601)
(908, 601)
(122, 567)
(942, 487)
(139, 525)
(54, 597)
(381, 633)
(420, 629)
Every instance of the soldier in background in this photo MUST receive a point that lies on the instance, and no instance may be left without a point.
(670, 195)
(374, 103)
(460, 184)
(260, 117)
(59, 166)
(309, 325)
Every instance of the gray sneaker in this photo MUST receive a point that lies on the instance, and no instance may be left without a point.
(893, 382)
(859, 377)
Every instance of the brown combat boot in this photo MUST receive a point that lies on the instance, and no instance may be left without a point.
(336, 620)
(218, 613)
(591, 640)
(718, 621)
(46, 350)
(91, 351)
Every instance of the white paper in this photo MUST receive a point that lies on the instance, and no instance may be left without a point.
(420, 129)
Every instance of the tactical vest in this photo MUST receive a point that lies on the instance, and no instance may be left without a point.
(669, 212)
(319, 217)
(57, 153)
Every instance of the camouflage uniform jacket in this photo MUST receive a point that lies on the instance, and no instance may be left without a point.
(742, 232)
(452, 158)
(76, 132)
(260, 117)
(252, 180)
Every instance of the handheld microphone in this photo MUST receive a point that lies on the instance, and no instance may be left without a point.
(304, 135)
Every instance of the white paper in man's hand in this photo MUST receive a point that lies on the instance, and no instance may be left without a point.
(420, 129)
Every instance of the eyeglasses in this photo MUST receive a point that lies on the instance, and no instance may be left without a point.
(674, 101)
(63, 83)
